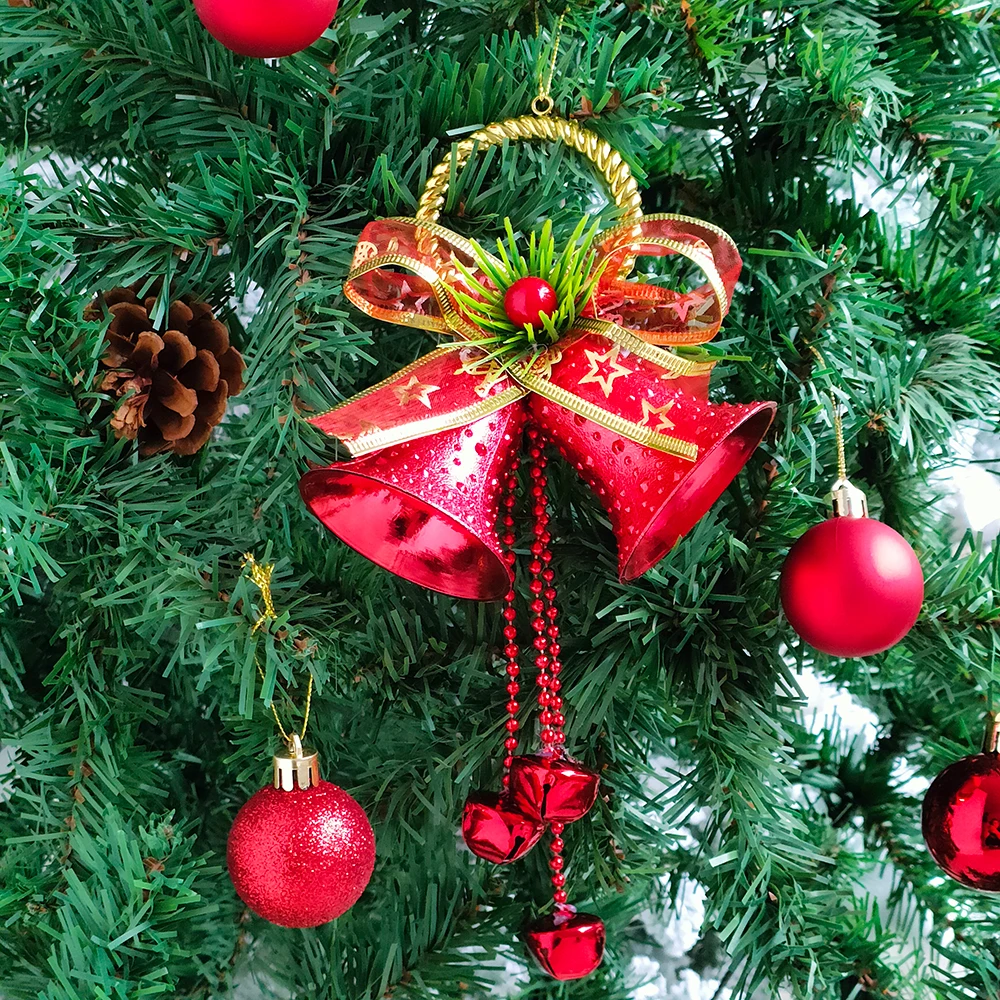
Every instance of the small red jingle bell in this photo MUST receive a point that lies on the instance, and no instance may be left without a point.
(495, 831)
(567, 945)
(961, 817)
(552, 787)
(528, 299)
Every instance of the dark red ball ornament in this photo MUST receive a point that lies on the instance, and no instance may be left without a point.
(851, 585)
(300, 853)
(527, 300)
(961, 818)
(495, 831)
(266, 28)
(552, 787)
(567, 945)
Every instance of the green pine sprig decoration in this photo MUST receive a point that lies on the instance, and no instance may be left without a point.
(573, 274)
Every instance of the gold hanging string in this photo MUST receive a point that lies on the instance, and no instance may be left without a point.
(260, 577)
(543, 103)
(838, 425)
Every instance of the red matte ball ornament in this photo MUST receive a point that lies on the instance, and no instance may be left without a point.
(528, 299)
(300, 853)
(851, 585)
(552, 787)
(961, 818)
(266, 28)
(496, 832)
(567, 945)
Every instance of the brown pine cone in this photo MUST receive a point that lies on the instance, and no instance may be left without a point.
(173, 385)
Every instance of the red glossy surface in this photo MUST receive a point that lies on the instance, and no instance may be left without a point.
(493, 830)
(652, 498)
(567, 945)
(961, 821)
(552, 788)
(426, 510)
(528, 299)
(266, 28)
(852, 586)
(301, 858)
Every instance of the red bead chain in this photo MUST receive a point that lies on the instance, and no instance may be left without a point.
(545, 612)
(546, 642)
(510, 650)
(543, 605)
(556, 863)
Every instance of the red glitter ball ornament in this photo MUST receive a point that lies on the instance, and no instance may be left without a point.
(496, 832)
(303, 856)
(528, 300)
(266, 28)
(961, 821)
(851, 586)
(567, 945)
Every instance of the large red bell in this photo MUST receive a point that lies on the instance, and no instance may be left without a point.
(654, 498)
(427, 510)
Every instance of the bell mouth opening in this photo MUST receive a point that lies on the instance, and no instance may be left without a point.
(405, 535)
(713, 471)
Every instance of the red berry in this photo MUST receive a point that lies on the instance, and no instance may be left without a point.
(528, 300)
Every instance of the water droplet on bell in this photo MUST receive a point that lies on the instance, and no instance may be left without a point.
(480, 448)
(618, 446)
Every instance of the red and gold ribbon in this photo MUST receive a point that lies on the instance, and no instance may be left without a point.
(609, 368)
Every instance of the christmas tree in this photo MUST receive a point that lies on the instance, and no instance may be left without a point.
(850, 150)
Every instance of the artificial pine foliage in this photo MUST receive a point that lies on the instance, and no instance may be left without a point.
(850, 147)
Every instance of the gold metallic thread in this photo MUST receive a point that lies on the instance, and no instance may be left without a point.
(260, 577)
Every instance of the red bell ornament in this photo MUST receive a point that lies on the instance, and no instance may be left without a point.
(300, 853)
(495, 831)
(631, 415)
(552, 787)
(654, 498)
(961, 817)
(851, 585)
(266, 28)
(567, 945)
(426, 510)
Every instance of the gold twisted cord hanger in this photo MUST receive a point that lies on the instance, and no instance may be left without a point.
(260, 577)
(838, 425)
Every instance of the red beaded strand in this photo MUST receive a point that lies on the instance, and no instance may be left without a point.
(511, 650)
(546, 642)
(556, 863)
(543, 605)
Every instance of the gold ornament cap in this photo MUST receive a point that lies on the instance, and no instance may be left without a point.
(848, 500)
(297, 768)
(991, 741)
